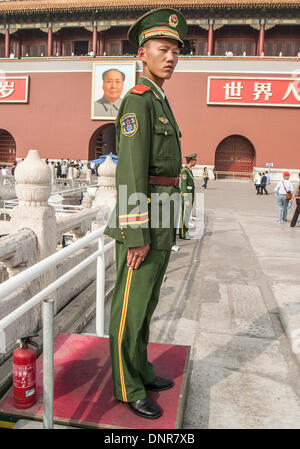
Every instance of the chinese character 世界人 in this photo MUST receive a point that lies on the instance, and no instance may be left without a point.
(262, 88)
(233, 90)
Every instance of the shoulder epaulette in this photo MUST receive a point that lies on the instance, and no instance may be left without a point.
(139, 89)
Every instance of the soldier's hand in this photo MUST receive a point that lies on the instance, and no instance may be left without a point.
(187, 203)
(136, 256)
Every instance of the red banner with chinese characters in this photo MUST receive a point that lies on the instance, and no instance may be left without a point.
(14, 89)
(284, 92)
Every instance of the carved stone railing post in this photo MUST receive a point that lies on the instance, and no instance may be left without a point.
(53, 174)
(105, 197)
(33, 187)
(88, 175)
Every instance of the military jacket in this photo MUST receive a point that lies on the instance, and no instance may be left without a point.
(187, 182)
(148, 143)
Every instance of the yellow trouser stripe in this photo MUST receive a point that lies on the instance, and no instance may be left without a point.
(182, 233)
(7, 424)
(121, 330)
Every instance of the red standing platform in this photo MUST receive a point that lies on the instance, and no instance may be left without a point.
(83, 389)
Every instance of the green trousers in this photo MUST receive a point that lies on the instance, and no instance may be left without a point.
(185, 217)
(135, 297)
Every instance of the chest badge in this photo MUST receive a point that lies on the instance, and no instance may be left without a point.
(129, 124)
(163, 120)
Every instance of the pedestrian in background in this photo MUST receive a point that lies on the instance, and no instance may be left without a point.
(268, 178)
(297, 210)
(64, 169)
(13, 168)
(58, 169)
(284, 191)
(205, 177)
(263, 183)
(257, 180)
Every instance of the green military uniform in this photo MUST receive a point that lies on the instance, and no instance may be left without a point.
(147, 138)
(187, 186)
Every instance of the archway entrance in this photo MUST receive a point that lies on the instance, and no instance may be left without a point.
(234, 155)
(7, 147)
(103, 141)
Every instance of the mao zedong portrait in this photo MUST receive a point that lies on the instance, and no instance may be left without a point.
(108, 105)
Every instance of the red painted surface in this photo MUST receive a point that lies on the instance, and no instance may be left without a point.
(56, 121)
(273, 132)
(83, 392)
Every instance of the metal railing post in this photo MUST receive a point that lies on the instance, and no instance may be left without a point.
(100, 281)
(48, 363)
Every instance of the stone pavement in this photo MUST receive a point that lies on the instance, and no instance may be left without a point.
(234, 296)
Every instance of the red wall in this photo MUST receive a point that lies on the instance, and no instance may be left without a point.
(57, 122)
(273, 131)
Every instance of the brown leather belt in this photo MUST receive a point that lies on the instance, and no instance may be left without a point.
(164, 181)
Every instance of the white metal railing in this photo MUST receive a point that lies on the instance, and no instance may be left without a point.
(74, 190)
(10, 204)
(54, 201)
(35, 271)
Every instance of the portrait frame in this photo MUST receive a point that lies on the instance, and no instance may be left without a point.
(100, 111)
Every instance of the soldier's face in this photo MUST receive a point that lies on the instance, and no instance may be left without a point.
(113, 85)
(160, 57)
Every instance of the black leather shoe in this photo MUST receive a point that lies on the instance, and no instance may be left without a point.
(144, 408)
(159, 384)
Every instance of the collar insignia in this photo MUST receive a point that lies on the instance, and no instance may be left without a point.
(163, 120)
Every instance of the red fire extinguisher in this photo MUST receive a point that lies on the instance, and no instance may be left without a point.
(24, 383)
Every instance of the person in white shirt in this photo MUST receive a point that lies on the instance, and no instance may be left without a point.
(257, 180)
(64, 169)
(282, 188)
(4, 171)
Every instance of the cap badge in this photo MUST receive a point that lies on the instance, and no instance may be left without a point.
(173, 20)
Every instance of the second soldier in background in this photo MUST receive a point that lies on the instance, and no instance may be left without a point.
(187, 187)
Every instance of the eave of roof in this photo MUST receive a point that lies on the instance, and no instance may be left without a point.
(29, 6)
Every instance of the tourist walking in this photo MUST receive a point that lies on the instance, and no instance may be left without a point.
(284, 191)
(297, 210)
(205, 177)
(257, 180)
(263, 183)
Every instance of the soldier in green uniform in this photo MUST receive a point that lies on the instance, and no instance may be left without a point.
(147, 176)
(188, 193)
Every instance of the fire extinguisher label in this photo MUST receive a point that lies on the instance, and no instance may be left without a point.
(30, 392)
(23, 376)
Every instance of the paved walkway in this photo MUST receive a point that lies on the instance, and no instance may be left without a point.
(234, 296)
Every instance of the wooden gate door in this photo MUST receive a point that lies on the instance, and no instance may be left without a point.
(235, 154)
(7, 147)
